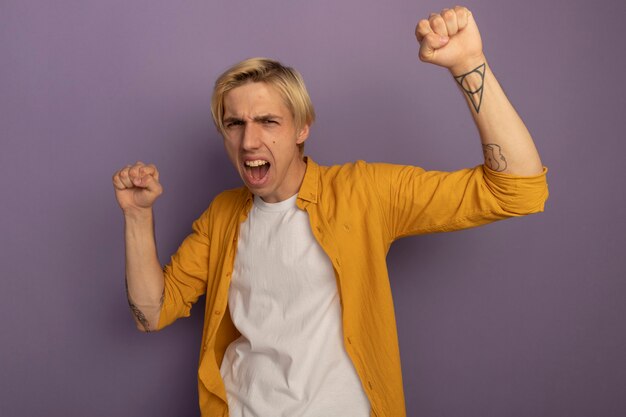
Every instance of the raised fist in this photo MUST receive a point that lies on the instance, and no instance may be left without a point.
(450, 39)
(137, 187)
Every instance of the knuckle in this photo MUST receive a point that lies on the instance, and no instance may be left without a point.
(437, 21)
(448, 14)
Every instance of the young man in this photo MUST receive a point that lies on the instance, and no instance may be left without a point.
(299, 318)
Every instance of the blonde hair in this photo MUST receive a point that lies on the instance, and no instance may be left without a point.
(286, 80)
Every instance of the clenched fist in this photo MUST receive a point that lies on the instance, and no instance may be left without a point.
(450, 39)
(137, 187)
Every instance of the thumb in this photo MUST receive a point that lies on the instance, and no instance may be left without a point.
(430, 44)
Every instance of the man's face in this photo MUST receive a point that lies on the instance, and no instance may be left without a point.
(261, 141)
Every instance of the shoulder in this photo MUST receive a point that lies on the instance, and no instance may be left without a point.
(231, 196)
(347, 169)
(366, 171)
(222, 211)
(226, 201)
(229, 200)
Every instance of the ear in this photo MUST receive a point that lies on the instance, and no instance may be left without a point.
(302, 135)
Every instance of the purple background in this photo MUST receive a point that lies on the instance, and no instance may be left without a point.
(519, 318)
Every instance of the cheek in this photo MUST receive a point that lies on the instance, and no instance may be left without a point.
(273, 144)
(231, 151)
(231, 144)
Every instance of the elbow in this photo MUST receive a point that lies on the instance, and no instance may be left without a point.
(146, 327)
(518, 195)
(145, 323)
(524, 206)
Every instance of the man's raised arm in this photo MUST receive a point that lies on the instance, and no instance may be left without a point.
(136, 189)
(451, 39)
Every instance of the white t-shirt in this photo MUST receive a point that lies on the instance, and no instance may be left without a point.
(290, 360)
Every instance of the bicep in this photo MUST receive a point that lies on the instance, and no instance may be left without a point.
(415, 201)
(185, 276)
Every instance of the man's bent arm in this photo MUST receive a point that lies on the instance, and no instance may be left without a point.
(451, 39)
(136, 189)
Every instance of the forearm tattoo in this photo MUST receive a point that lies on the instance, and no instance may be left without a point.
(472, 84)
(493, 157)
(139, 316)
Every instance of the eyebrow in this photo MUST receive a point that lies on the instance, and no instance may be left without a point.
(231, 119)
(266, 117)
(258, 118)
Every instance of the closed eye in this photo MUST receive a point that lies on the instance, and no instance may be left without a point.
(268, 119)
(229, 123)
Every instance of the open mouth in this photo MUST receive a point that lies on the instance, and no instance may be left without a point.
(256, 170)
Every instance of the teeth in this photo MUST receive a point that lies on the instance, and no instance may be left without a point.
(256, 163)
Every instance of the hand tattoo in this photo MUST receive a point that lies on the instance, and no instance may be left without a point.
(493, 157)
(472, 83)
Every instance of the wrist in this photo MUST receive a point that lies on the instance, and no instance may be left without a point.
(138, 215)
(467, 65)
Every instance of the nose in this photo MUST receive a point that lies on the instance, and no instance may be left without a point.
(251, 137)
